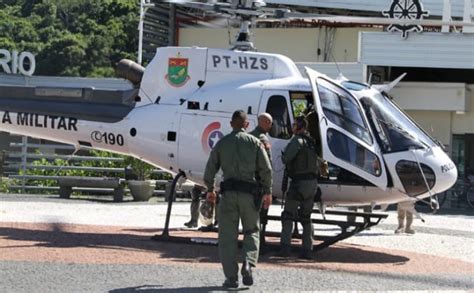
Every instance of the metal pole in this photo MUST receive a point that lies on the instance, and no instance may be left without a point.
(140, 31)
(172, 26)
(2, 163)
(24, 154)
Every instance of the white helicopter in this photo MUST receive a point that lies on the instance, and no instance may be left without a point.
(184, 99)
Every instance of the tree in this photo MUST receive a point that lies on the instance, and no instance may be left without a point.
(74, 38)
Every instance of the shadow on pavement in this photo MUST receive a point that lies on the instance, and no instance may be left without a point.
(57, 236)
(151, 288)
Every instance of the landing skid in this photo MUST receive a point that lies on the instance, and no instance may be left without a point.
(347, 228)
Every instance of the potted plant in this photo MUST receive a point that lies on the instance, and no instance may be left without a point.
(138, 179)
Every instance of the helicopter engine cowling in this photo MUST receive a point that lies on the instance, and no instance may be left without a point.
(130, 70)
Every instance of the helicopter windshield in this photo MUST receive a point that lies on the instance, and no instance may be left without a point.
(395, 131)
(342, 109)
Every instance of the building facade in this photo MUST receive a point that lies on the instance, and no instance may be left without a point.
(437, 92)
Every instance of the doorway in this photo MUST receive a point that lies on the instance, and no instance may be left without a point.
(463, 154)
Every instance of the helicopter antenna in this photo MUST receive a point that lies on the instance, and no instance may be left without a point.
(341, 75)
(228, 32)
(388, 87)
(371, 75)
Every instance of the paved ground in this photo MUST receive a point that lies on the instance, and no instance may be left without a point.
(53, 245)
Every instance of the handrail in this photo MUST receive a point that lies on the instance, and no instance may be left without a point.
(65, 157)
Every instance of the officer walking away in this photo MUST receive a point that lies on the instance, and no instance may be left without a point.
(405, 211)
(240, 156)
(265, 121)
(301, 161)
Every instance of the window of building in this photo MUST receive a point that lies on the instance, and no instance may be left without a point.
(342, 109)
(278, 108)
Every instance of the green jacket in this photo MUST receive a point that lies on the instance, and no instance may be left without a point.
(260, 134)
(240, 156)
(300, 155)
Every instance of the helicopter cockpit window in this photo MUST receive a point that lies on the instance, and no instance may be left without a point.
(342, 109)
(302, 104)
(350, 151)
(393, 129)
(354, 86)
(412, 178)
(278, 108)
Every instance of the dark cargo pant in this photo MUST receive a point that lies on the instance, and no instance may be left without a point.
(233, 206)
(301, 194)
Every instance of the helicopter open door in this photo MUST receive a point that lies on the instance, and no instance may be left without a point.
(276, 103)
(347, 140)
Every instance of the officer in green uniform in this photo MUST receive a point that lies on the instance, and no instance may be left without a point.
(194, 208)
(265, 122)
(240, 156)
(301, 161)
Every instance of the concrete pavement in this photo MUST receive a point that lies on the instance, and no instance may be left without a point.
(54, 245)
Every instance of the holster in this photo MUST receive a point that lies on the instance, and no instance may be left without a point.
(244, 186)
(304, 176)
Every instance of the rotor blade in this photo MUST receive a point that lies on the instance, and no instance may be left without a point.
(210, 6)
(370, 20)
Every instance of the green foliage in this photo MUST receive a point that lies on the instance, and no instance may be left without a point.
(73, 38)
(45, 171)
(142, 169)
(4, 183)
(299, 107)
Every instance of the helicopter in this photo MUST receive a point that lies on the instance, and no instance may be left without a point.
(183, 100)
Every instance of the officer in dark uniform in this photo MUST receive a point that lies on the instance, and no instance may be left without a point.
(240, 156)
(301, 161)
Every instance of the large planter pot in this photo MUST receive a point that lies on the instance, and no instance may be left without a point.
(141, 190)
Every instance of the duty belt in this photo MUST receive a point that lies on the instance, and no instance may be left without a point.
(241, 186)
(303, 176)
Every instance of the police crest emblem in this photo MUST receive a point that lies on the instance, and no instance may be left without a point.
(177, 71)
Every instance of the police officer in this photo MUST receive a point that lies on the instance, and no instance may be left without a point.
(301, 161)
(405, 211)
(194, 208)
(264, 125)
(265, 122)
(240, 156)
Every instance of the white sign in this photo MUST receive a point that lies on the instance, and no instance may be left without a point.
(13, 63)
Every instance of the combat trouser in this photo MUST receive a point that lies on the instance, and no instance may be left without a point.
(300, 194)
(233, 206)
(195, 202)
(404, 213)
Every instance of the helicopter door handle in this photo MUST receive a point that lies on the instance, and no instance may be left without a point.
(325, 120)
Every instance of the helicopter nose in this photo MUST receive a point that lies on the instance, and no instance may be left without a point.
(448, 174)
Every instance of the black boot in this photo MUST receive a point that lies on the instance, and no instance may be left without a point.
(285, 250)
(246, 271)
(191, 224)
(306, 254)
(230, 283)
